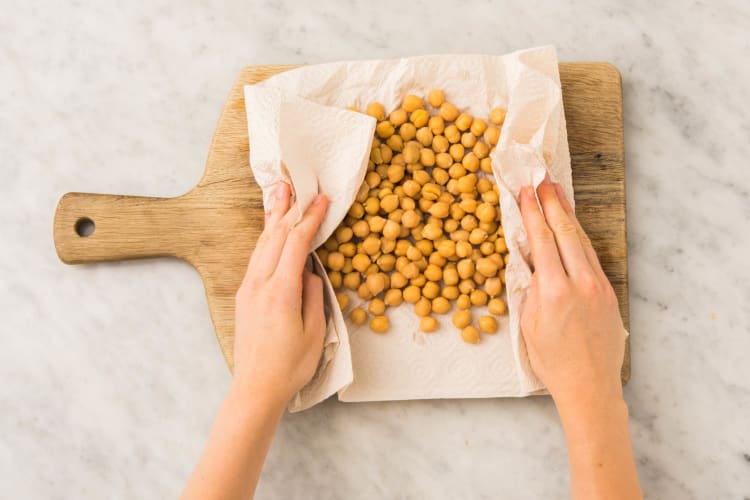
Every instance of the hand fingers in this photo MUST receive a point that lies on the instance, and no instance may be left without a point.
(292, 260)
(271, 241)
(544, 252)
(313, 313)
(566, 234)
(588, 248)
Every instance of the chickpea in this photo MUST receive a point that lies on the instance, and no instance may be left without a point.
(413, 253)
(470, 162)
(500, 245)
(466, 286)
(486, 212)
(430, 191)
(419, 281)
(488, 324)
(493, 287)
(410, 219)
(436, 125)
(396, 143)
(364, 292)
(460, 235)
(425, 246)
(387, 246)
(421, 177)
(432, 231)
(419, 118)
(424, 137)
(501, 272)
(335, 278)
(450, 225)
(487, 267)
(465, 268)
(401, 247)
(443, 160)
(440, 144)
(447, 248)
(351, 281)
(395, 173)
(433, 272)
(492, 135)
(393, 297)
(389, 203)
(478, 297)
(430, 289)
(392, 229)
(487, 248)
(497, 306)
(468, 140)
(481, 150)
(462, 318)
(428, 324)
(375, 283)
(384, 129)
(448, 111)
(477, 236)
(450, 276)
(497, 116)
(463, 301)
(469, 222)
(376, 156)
(463, 249)
(436, 259)
(427, 157)
(386, 262)
(371, 245)
(441, 305)
(380, 324)
(452, 133)
(440, 175)
(457, 152)
(485, 164)
(407, 131)
(466, 184)
(376, 110)
(358, 316)
(478, 126)
(410, 270)
(361, 229)
(399, 158)
(348, 249)
(336, 261)
(396, 215)
(463, 122)
(362, 193)
(423, 307)
(491, 197)
(323, 254)
(404, 202)
(412, 103)
(436, 98)
(450, 292)
(470, 335)
(398, 280)
(372, 206)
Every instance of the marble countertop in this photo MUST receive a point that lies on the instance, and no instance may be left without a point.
(111, 374)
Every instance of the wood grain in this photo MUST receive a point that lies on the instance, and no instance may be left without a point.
(215, 225)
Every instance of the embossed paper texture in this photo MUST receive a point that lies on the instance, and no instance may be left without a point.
(300, 131)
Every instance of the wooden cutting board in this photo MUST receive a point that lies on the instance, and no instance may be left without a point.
(215, 225)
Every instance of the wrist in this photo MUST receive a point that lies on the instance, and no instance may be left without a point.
(259, 396)
(589, 407)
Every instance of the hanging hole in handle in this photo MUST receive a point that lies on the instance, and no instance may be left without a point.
(85, 227)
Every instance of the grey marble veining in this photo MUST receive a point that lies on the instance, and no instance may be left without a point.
(110, 374)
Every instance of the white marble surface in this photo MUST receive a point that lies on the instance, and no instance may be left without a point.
(110, 374)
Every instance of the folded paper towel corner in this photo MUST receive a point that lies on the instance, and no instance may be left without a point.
(300, 130)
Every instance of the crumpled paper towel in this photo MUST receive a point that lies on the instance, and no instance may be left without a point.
(300, 131)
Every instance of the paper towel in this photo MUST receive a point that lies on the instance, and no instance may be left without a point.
(300, 131)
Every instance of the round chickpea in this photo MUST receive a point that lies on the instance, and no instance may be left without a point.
(376, 307)
(336, 261)
(465, 268)
(470, 162)
(412, 103)
(423, 307)
(486, 267)
(470, 335)
(436, 98)
(461, 318)
(463, 301)
(450, 276)
(493, 287)
(384, 129)
(452, 133)
(397, 117)
(428, 324)
(440, 144)
(441, 305)
(407, 131)
(436, 125)
(448, 111)
(478, 126)
(457, 152)
(478, 297)
(450, 292)
(351, 281)
(468, 140)
(481, 150)
(363, 292)
(430, 290)
(393, 297)
(380, 324)
(477, 236)
(488, 324)
(497, 116)
(497, 306)
(358, 316)
(492, 135)
(433, 272)
(398, 280)
(375, 283)
(463, 122)
(376, 110)
(427, 157)
(419, 118)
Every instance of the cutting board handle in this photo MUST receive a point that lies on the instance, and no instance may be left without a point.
(100, 227)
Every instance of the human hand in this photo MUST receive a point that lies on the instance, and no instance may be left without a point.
(570, 321)
(279, 319)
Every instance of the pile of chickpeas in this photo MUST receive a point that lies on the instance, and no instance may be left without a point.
(425, 226)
